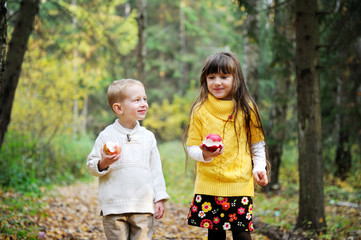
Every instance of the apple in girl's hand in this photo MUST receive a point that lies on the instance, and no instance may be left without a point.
(111, 148)
(212, 142)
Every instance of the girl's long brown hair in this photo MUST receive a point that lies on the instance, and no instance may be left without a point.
(228, 63)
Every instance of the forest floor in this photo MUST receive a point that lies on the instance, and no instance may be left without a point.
(72, 212)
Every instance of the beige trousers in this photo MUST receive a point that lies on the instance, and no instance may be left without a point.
(128, 226)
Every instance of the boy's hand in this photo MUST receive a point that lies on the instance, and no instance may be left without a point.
(107, 160)
(261, 178)
(159, 209)
(207, 155)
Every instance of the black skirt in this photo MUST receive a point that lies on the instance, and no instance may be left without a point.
(221, 213)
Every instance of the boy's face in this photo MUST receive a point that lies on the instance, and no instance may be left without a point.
(134, 106)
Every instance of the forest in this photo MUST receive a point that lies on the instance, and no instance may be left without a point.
(302, 64)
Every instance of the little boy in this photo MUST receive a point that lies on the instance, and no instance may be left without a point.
(131, 184)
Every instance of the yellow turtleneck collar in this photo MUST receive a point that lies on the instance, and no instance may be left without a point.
(221, 109)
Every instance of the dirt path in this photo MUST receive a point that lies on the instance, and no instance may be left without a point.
(72, 212)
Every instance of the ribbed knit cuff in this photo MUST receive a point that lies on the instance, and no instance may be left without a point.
(161, 196)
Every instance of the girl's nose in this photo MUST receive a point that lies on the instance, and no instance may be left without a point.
(218, 81)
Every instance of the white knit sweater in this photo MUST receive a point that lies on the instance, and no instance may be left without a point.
(135, 182)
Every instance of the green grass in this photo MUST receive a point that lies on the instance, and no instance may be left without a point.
(179, 181)
(19, 214)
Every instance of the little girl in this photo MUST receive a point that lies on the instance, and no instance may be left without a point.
(224, 184)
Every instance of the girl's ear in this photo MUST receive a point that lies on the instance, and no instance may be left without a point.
(117, 108)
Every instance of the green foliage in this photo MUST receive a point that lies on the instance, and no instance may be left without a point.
(179, 181)
(73, 48)
(18, 168)
(28, 162)
(181, 34)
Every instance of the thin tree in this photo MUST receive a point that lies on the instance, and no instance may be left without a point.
(311, 213)
(251, 47)
(283, 33)
(341, 43)
(142, 36)
(3, 39)
(182, 38)
(14, 59)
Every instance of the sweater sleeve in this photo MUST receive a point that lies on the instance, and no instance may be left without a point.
(195, 130)
(157, 174)
(259, 156)
(94, 158)
(196, 153)
(255, 125)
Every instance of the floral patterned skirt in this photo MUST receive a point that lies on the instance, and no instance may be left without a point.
(221, 213)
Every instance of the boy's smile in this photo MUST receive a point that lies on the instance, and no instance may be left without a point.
(134, 107)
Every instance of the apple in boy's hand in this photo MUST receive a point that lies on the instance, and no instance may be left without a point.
(212, 142)
(111, 148)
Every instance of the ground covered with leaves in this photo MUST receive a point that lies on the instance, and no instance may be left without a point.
(72, 212)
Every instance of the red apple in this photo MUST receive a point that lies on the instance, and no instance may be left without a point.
(212, 142)
(111, 148)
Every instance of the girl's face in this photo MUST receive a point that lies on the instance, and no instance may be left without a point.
(220, 85)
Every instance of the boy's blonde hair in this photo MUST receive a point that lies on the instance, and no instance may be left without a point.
(117, 90)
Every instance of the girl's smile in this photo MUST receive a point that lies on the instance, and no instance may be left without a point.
(220, 84)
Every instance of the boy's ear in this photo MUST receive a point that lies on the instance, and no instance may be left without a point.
(117, 108)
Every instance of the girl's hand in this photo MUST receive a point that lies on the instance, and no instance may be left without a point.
(159, 209)
(207, 155)
(261, 178)
(107, 160)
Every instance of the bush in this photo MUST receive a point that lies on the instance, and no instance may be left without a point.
(27, 163)
(168, 120)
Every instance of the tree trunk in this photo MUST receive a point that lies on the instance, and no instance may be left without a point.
(311, 213)
(141, 49)
(347, 119)
(17, 48)
(283, 33)
(251, 49)
(343, 151)
(182, 36)
(3, 38)
(278, 128)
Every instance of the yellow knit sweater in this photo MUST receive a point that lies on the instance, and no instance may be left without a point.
(229, 174)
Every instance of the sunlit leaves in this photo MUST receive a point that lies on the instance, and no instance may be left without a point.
(68, 57)
(168, 120)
